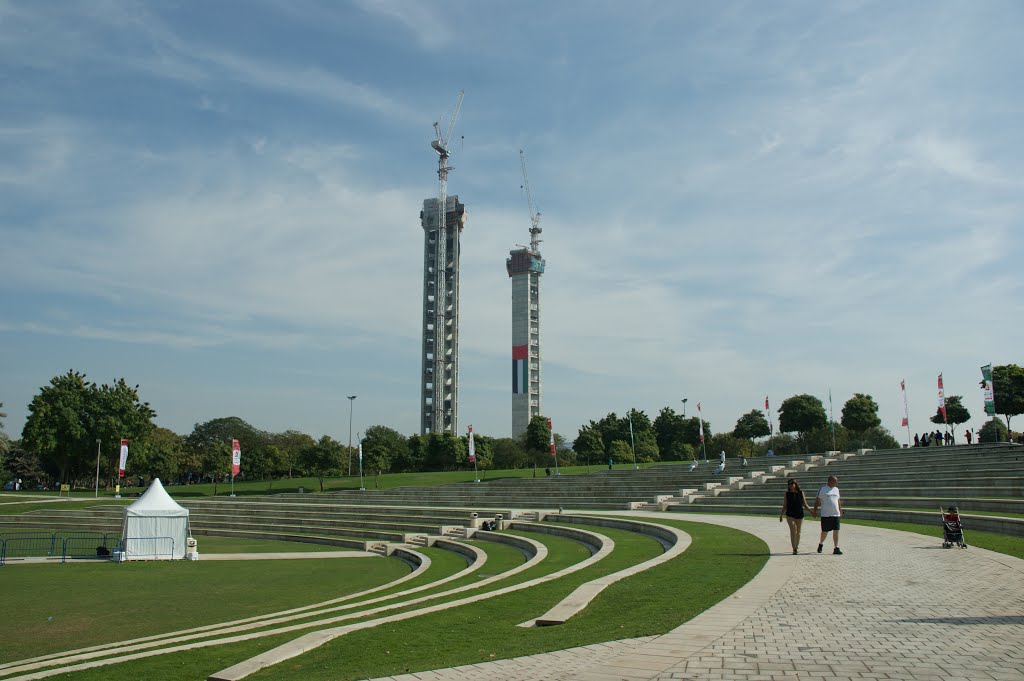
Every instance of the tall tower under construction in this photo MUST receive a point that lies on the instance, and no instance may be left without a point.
(442, 219)
(525, 267)
(439, 403)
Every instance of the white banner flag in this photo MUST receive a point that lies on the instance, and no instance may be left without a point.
(124, 458)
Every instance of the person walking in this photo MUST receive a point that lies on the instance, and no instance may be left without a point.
(831, 510)
(793, 505)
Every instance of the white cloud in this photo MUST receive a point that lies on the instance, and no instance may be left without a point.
(432, 26)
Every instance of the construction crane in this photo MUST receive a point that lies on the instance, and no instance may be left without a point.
(535, 229)
(441, 331)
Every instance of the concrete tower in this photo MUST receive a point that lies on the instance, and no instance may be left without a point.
(525, 268)
(439, 376)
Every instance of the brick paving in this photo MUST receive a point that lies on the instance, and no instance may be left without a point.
(894, 606)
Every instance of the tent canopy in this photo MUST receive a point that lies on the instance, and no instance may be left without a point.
(155, 526)
(155, 501)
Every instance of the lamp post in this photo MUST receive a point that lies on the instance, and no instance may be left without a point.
(351, 400)
(684, 407)
(97, 468)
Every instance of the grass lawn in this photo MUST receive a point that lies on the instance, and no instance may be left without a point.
(719, 561)
(292, 485)
(53, 607)
(1012, 546)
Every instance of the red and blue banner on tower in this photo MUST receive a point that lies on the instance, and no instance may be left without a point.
(520, 370)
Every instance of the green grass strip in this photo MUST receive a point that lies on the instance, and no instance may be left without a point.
(1001, 543)
(719, 561)
(56, 607)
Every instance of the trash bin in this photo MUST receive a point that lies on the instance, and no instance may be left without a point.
(191, 549)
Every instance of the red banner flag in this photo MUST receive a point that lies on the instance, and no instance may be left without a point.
(472, 447)
(236, 458)
(124, 458)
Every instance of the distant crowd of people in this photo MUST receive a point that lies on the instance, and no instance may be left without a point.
(938, 438)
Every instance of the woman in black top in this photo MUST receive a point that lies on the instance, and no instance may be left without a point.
(793, 505)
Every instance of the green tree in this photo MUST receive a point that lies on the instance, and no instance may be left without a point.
(860, 413)
(324, 458)
(164, 455)
(956, 413)
(382, 446)
(5, 442)
(588, 444)
(726, 442)
(879, 438)
(70, 414)
(536, 440)
(634, 428)
(691, 431)
(213, 437)
(290, 444)
(416, 456)
(620, 452)
(20, 464)
(484, 447)
(752, 425)
(1008, 386)
(670, 433)
(509, 453)
(802, 414)
(215, 462)
(993, 430)
(445, 452)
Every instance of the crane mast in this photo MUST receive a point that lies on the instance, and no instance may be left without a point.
(535, 229)
(441, 330)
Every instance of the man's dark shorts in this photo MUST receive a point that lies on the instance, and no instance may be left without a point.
(830, 523)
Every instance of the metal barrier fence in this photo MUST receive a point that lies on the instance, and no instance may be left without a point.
(27, 544)
(84, 545)
(53, 544)
(155, 547)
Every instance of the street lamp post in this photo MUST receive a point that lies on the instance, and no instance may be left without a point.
(684, 407)
(351, 400)
(97, 468)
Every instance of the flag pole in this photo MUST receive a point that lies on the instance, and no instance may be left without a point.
(359, 437)
(472, 454)
(832, 422)
(700, 424)
(906, 410)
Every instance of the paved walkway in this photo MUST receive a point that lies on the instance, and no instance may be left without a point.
(894, 606)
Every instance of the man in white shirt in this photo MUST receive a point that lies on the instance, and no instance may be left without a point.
(831, 510)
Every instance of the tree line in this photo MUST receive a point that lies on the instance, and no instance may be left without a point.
(75, 424)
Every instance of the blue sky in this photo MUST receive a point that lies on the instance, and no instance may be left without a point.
(220, 202)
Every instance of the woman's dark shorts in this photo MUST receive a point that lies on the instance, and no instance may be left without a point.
(830, 523)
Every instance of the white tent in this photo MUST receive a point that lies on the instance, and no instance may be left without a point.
(155, 526)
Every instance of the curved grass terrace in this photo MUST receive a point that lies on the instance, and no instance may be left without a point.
(658, 597)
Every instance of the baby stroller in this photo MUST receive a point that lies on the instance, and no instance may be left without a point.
(952, 530)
